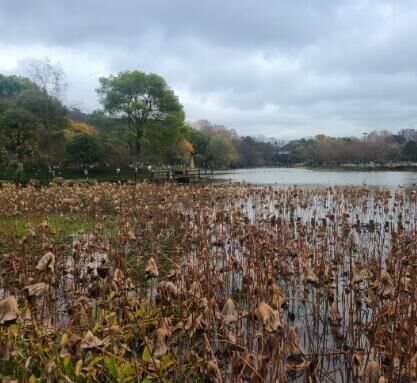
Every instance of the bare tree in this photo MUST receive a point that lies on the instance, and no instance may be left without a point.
(48, 76)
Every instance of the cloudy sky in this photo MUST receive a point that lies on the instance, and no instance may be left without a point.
(285, 69)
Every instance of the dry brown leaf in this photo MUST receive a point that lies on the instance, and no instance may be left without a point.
(229, 312)
(36, 290)
(160, 345)
(294, 349)
(9, 310)
(46, 262)
(151, 270)
(269, 317)
(90, 341)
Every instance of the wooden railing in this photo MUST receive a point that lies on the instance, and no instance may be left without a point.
(183, 175)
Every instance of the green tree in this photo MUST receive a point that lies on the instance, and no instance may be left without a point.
(115, 149)
(222, 152)
(49, 123)
(144, 101)
(101, 121)
(10, 87)
(409, 151)
(300, 150)
(84, 149)
(200, 142)
(18, 134)
(27, 133)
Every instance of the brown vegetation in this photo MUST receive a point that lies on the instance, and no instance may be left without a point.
(207, 283)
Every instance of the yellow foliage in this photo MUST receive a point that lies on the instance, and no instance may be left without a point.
(322, 137)
(184, 150)
(81, 128)
(185, 146)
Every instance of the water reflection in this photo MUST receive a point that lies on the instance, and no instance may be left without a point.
(298, 176)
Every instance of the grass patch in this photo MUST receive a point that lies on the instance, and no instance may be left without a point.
(64, 224)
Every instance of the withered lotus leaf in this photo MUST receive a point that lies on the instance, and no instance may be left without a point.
(118, 277)
(89, 341)
(46, 262)
(151, 269)
(167, 289)
(229, 312)
(357, 364)
(372, 371)
(51, 371)
(294, 349)
(269, 317)
(335, 317)
(278, 299)
(160, 345)
(9, 310)
(357, 276)
(386, 284)
(314, 283)
(36, 290)
(311, 276)
(413, 366)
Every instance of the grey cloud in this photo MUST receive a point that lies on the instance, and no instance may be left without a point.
(278, 68)
(224, 22)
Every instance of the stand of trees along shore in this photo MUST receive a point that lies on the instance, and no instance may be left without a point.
(142, 122)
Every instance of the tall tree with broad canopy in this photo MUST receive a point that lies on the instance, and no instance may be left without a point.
(145, 102)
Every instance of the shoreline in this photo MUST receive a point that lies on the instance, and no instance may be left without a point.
(367, 168)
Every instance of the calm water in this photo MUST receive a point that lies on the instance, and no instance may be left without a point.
(291, 176)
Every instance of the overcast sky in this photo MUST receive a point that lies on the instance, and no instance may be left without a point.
(285, 69)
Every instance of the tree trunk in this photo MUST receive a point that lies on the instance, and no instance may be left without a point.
(138, 137)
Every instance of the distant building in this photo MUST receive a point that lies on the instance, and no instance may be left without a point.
(409, 134)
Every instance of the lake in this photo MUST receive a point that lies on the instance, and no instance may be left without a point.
(301, 176)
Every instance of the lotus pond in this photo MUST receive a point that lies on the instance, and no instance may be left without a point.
(209, 283)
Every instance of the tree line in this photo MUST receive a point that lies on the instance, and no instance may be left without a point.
(142, 122)
(377, 147)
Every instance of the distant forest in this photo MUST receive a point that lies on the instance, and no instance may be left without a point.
(142, 123)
